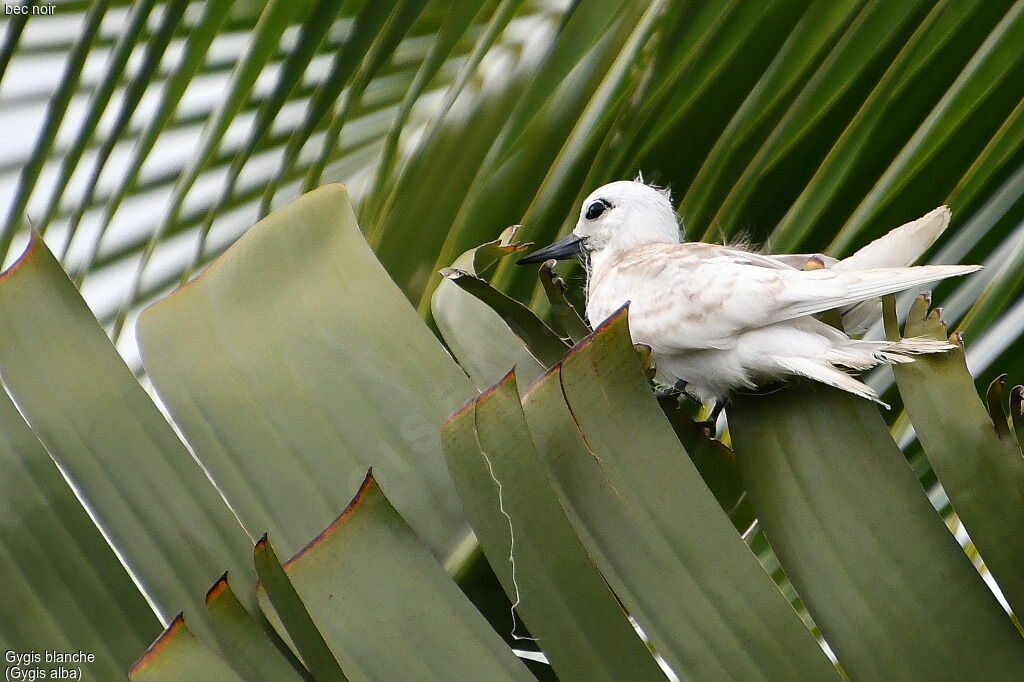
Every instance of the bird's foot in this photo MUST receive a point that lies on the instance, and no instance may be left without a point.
(675, 391)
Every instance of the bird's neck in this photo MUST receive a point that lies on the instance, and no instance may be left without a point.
(600, 263)
(604, 259)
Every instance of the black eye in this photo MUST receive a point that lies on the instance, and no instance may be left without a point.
(597, 208)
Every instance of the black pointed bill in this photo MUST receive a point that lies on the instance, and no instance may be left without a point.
(563, 249)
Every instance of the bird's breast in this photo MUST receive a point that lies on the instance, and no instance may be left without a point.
(667, 309)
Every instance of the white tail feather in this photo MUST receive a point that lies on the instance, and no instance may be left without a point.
(860, 355)
(829, 375)
(918, 345)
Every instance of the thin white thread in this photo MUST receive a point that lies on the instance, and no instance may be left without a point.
(511, 552)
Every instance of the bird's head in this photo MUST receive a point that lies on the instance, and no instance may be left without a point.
(616, 217)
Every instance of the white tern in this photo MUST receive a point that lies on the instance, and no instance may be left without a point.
(721, 318)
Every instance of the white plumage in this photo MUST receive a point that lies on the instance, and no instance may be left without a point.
(721, 318)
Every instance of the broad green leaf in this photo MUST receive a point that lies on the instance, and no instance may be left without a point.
(177, 656)
(981, 473)
(880, 574)
(284, 602)
(150, 497)
(531, 545)
(715, 462)
(543, 342)
(477, 336)
(386, 607)
(1017, 416)
(294, 363)
(252, 648)
(64, 588)
(656, 532)
(563, 311)
(994, 401)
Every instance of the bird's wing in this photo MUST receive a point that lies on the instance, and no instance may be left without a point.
(788, 261)
(728, 254)
(717, 253)
(806, 293)
(710, 296)
(902, 246)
